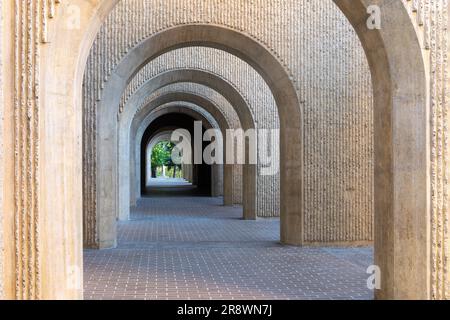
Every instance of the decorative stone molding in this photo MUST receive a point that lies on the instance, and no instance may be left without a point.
(30, 31)
(2, 257)
(431, 18)
(31, 27)
(47, 12)
(421, 12)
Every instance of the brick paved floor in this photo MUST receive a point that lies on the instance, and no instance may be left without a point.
(194, 248)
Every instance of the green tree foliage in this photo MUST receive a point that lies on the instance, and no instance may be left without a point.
(162, 154)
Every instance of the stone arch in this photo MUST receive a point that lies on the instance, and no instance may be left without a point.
(402, 188)
(209, 107)
(170, 117)
(162, 136)
(151, 115)
(130, 138)
(196, 112)
(223, 112)
(402, 244)
(265, 63)
(138, 100)
(214, 110)
(177, 97)
(185, 108)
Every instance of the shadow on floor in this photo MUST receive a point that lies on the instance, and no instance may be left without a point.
(170, 187)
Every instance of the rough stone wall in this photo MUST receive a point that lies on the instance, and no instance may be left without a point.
(31, 26)
(223, 105)
(432, 21)
(1, 154)
(440, 104)
(338, 110)
(193, 107)
(323, 55)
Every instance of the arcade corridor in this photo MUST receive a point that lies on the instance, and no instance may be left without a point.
(309, 140)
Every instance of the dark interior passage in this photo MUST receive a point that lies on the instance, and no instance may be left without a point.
(202, 173)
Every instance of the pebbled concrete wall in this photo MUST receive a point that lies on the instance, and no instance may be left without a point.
(1, 153)
(432, 20)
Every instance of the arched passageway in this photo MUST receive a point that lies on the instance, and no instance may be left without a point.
(151, 171)
(204, 179)
(385, 65)
(287, 97)
(143, 116)
(174, 98)
(197, 114)
(130, 168)
(136, 108)
(183, 108)
(401, 129)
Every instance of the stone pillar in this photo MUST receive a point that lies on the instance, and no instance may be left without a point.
(2, 152)
(148, 169)
(249, 191)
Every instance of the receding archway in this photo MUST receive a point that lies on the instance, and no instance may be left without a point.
(206, 175)
(216, 172)
(130, 150)
(157, 139)
(402, 188)
(210, 108)
(134, 108)
(291, 133)
(196, 113)
(143, 118)
(276, 77)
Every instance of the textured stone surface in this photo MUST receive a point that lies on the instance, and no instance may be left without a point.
(434, 16)
(168, 251)
(1, 153)
(30, 32)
